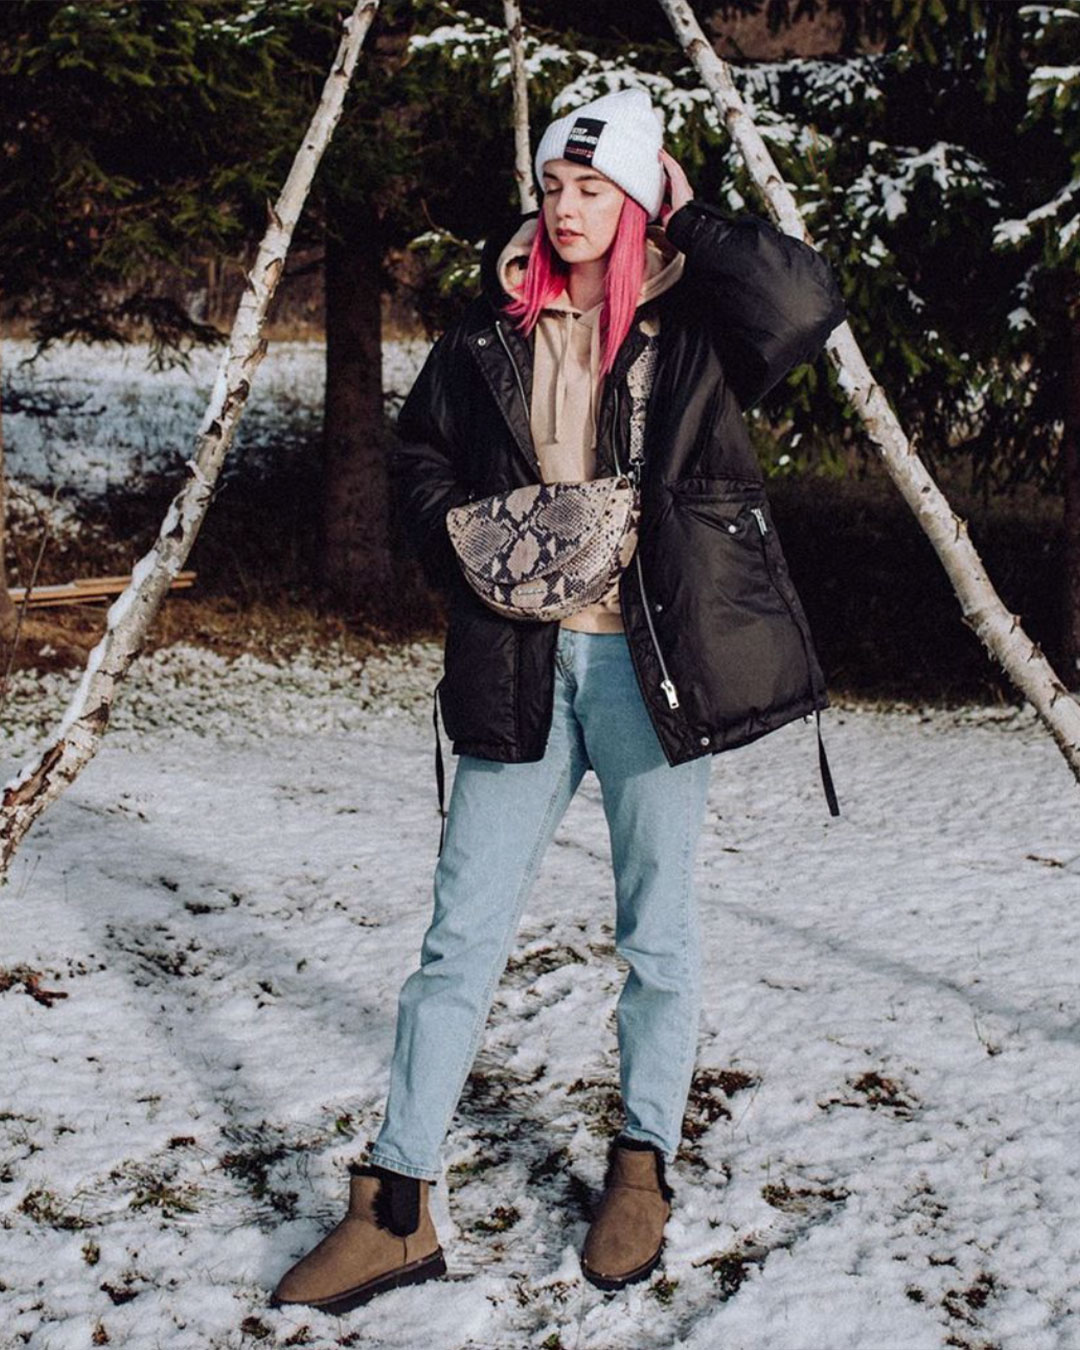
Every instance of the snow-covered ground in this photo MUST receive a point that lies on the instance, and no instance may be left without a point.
(86, 419)
(203, 943)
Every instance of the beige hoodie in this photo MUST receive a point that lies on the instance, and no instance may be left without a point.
(567, 383)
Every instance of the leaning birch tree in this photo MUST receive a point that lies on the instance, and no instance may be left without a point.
(7, 607)
(998, 629)
(76, 739)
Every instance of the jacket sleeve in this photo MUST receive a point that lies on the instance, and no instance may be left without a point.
(423, 467)
(770, 300)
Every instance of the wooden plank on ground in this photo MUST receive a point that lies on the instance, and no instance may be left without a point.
(86, 589)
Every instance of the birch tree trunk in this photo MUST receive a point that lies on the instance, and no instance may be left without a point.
(983, 611)
(522, 155)
(79, 734)
(7, 607)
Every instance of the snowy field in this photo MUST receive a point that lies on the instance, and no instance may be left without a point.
(202, 945)
(86, 419)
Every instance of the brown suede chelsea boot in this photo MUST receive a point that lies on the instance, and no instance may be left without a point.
(626, 1238)
(386, 1239)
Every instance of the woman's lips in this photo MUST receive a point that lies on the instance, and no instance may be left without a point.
(565, 236)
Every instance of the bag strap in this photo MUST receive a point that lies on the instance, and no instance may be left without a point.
(440, 769)
(826, 772)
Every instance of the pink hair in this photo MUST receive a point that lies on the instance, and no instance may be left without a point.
(545, 278)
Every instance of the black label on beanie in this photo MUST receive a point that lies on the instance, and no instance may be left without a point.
(581, 142)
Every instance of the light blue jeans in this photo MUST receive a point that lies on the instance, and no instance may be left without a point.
(500, 820)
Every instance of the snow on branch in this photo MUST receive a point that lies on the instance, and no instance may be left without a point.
(472, 39)
(892, 174)
(1013, 233)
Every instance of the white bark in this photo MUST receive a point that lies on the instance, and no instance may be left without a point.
(522, 154)
(982, 608)
(7, 608)
(79, 734)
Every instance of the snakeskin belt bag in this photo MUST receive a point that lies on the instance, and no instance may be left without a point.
(549, 550)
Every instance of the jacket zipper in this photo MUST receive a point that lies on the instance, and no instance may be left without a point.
(667, 685)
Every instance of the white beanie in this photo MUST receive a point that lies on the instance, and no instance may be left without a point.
(619, 135)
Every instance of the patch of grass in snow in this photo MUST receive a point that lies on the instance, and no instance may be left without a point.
(710, 1092)
(458, 1172)
(123, 1290)
(552, 1164)
(601, 1104)
(879, 1093)
(252, 1162)
(501, 1218)
(963, 1306)
(542, 960)
(732, 1267)
(171, 1199)
(663, 1290)
(155, 952)
(490, 1091)
(809, 1200)
(48, 1209)
(31, 984)
(17, 1135)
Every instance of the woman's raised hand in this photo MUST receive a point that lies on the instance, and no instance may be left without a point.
(678, 192)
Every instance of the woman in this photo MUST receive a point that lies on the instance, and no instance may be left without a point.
(595, 344)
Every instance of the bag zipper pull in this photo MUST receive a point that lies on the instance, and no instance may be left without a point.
(759, 516)
(671, 695)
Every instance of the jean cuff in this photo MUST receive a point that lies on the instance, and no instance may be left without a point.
(404, 1169)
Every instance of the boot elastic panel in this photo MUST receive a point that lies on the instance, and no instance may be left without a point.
(397, 1204)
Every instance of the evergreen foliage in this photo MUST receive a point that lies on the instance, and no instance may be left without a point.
(134, 134)
(940, 172)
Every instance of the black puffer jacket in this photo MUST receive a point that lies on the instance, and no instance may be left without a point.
(717, 634)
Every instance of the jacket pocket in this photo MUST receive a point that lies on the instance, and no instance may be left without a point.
(728, 521)
(718, 491)
(740, 624)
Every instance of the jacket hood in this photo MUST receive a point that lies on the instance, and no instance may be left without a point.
(490, 285)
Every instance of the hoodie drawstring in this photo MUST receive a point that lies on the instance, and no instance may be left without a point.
(566, 319)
